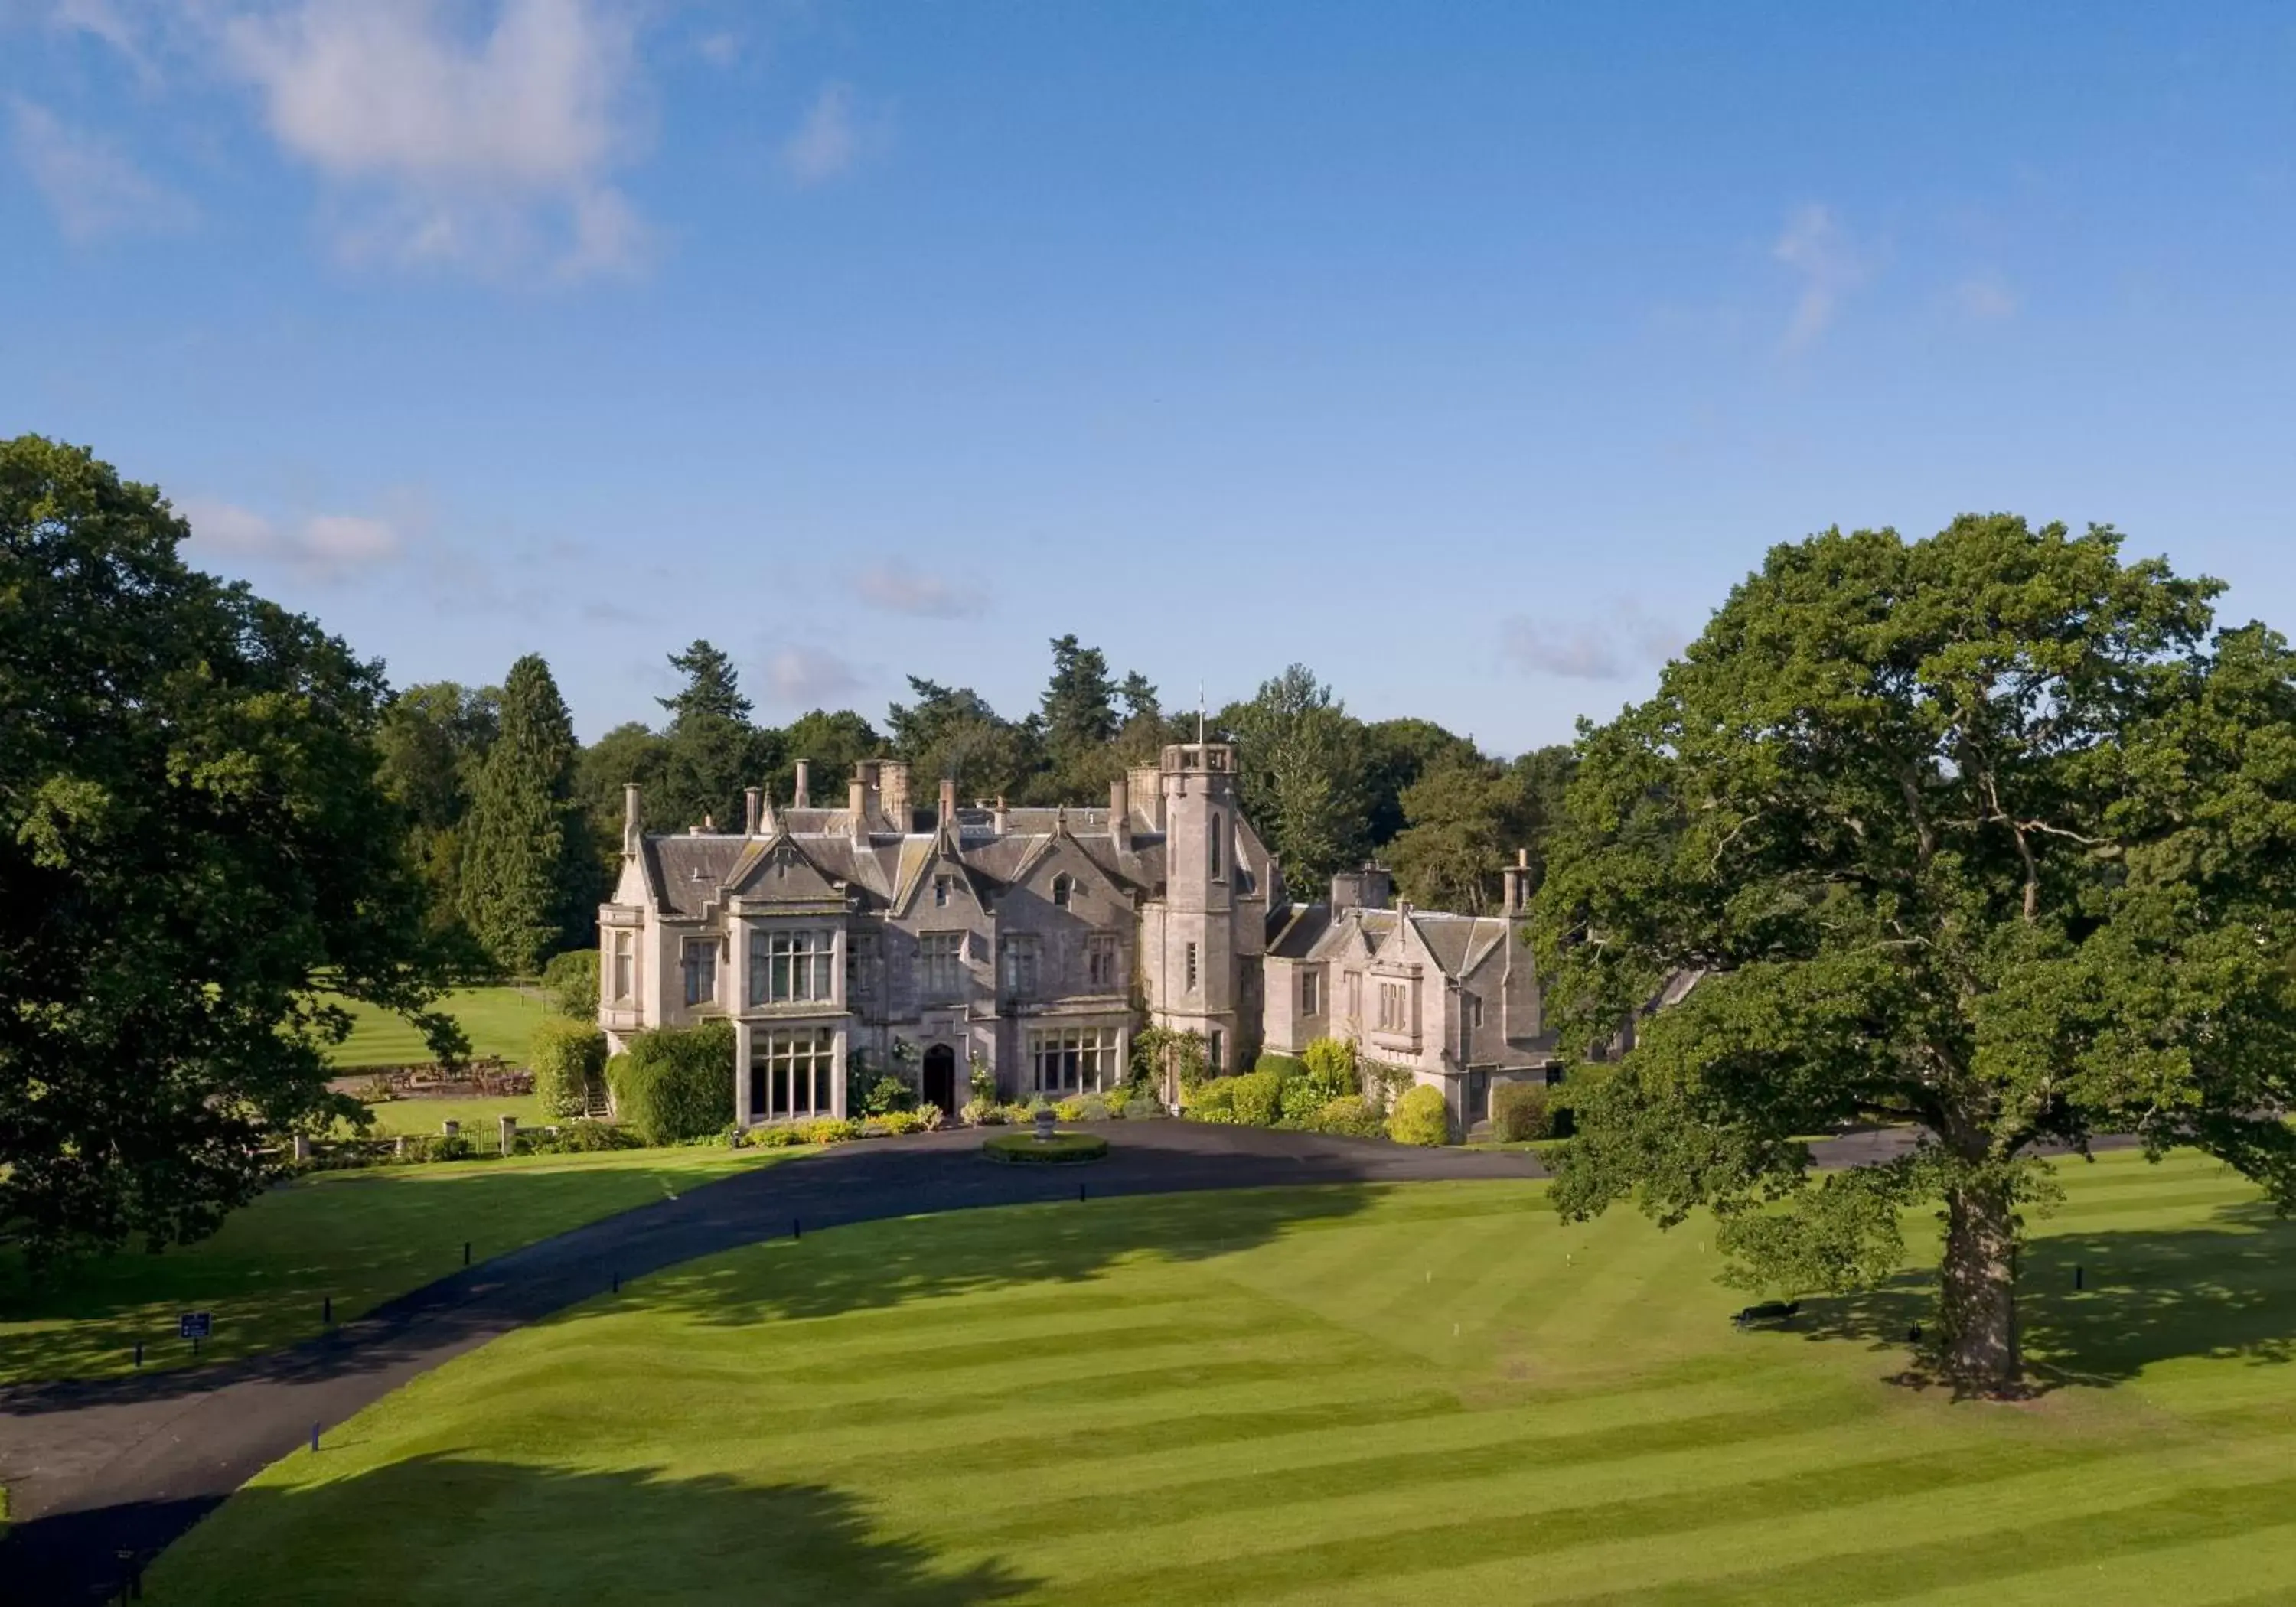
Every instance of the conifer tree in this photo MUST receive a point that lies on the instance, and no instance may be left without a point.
(527, 866)
(710, 751)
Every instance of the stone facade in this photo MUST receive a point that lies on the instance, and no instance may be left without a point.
(1032, 941)
(1035, 941)
(1452, 999)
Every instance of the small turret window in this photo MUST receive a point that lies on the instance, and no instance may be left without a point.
(1218, 868)
(1063, 891)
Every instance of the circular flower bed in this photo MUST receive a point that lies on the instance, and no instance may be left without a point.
(1061, 1149)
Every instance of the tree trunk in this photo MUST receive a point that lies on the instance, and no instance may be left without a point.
(1979, 1296)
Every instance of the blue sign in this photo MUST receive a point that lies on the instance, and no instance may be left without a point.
(195, 1324)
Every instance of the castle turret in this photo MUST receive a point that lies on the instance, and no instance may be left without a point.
(1190, 960)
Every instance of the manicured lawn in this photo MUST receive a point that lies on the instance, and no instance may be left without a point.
(497, 1020)
(359, 1236)
(1434, 1394)
(480, 1117)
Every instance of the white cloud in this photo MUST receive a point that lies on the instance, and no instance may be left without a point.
(101, 20)
(914, 592)
(93, 190)
(482, 149)
(809, 676)
(1985, 299)
(1815, 247)
(1623, 642)
(321, 546)
(831, 140)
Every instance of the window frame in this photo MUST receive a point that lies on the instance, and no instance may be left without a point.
(777, 1058)
(697, 958)
(935, 984)
(1082, 1059)
(792, 965)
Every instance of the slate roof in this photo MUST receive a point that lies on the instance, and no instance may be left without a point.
(1296, 929)
(687, 870)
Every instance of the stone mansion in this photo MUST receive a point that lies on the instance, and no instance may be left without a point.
(1037, 940)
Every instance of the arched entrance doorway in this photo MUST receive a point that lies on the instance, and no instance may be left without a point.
(940, 1079)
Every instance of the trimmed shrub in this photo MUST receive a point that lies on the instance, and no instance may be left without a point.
(1331, 1066)
(983, 1113)
(1419, 1117)
(1142, 1107)
(1070, 1109)
(1213, 1101)
(1351, 1117)
(1020, 1116)
(1258, 1099)
(565, 1054)
(675, 1083)
(830, 1129)
(572, 980)
(776, 1137)
(1285, 1066)
(900, 1122)
(1522, 1110)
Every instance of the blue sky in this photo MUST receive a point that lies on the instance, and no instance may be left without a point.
(1467, 354)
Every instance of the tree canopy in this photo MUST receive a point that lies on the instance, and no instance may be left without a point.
(195, 851)
(710, 751)
(1299, 776)
(1986, 833)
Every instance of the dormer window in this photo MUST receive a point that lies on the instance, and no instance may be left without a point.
(940, 892)
(1063, 891)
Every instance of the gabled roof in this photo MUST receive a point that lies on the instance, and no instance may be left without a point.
(688, 870)
(1294, 930)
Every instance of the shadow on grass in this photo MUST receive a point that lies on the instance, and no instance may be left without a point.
(967, 1253)
(2226, 1291)
(445, 1528)
(359, 1238)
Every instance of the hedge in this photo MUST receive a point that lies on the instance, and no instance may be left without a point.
(565, 1054)
(572, 980)
(1419, 1117)
(675, 1083)
(1351, 1117)
(1522, 1110)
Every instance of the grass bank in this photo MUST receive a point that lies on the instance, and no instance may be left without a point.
(360, 1237)
(498, 1022)
(1432, 1394)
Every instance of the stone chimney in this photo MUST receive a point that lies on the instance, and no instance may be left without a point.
(1369, 888)
(947, 821)
(1146, 783)
(856, 807)
(631, 830)
(710, 824)
(804, 799)
(997, 816)
(893, 792)
(1119, 813)
(751, 796)
(1517, 878)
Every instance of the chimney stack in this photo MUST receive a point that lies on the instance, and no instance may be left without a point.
(804, 799)
(1119, 813)
(630, 829)
(893, 793)
(947, 822)
(750, 798)
(997, 820)
(856, 807)
(1516, 879)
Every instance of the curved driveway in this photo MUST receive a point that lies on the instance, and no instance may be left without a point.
(102, 1473)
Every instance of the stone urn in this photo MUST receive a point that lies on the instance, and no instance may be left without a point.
(1045, 1120)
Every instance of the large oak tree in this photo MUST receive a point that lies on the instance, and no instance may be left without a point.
(1988, 833)
(194, 851)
